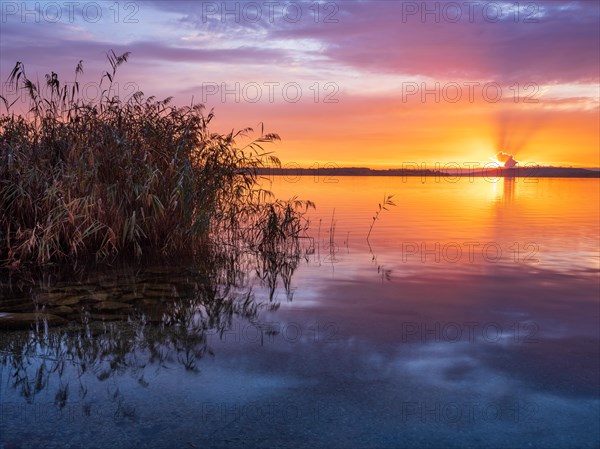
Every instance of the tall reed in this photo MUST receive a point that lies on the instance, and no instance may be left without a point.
(108, 178)
(387, 201)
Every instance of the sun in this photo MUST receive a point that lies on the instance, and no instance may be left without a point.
(496, 162)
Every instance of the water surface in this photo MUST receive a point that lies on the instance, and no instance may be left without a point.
(468, 319)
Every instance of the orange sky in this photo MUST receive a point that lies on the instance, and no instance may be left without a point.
(386, 133)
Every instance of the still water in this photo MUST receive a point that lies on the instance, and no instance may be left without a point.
(470, 318)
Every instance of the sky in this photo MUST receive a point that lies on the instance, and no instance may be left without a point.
(381, 84)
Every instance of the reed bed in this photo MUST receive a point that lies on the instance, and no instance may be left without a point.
(113, 178)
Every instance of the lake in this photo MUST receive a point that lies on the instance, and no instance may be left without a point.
(469, 318)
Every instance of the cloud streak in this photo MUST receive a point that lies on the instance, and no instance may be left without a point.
(562, 46)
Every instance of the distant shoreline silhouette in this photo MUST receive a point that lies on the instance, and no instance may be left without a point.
(516, 172)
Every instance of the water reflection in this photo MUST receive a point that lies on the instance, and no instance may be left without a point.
(131, 320)
(558, 216)
(509, 190)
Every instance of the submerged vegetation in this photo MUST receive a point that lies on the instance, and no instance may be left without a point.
(68, 335)
(83, 180)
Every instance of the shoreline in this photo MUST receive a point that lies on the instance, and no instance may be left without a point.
(525, 172)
